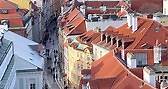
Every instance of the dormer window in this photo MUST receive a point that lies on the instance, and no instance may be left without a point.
(34, 2)
(108, 39)
(104, 37)
(119, 43)
(114, 41)
(3, 11)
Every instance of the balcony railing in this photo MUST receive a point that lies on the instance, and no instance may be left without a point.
(6, 76)
(4, 48)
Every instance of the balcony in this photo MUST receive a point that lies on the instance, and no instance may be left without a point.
(4, 49)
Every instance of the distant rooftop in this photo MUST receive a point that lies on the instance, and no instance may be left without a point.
(23, 49)
(157, 69)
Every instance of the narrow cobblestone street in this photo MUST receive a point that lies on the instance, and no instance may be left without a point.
(51, 45)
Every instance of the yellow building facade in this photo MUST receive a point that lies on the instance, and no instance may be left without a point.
(79, 58)
(23, 4)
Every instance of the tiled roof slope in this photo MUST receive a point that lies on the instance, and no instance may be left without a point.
(7, 5)
(88, 37)
(13, 16)
(109, 73)
(110, 7)
(147, 6)
(76, 27)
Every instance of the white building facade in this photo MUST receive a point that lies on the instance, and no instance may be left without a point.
(20, 65)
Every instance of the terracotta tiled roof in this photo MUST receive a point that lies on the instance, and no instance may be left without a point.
(122, 13)
(96, 4)
(122, 3)
(15, 20)
(109, 73)
(76, 26)
(98, 39)
(147, 6)
(23, 12)
(106, 67)
(105, 83)
(7, 5)
(138, 72)
(148, 33)
(72, 15)
(88, 37)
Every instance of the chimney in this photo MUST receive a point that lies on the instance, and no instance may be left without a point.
(131, 60)
(132, 21)
(149, 76)
(101, 36)
(157, 54)
(112, 40)
(122, 51)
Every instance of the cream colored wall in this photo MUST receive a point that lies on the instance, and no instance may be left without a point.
(23, 4)
(77, 59)
(164, 21)
(99, 52)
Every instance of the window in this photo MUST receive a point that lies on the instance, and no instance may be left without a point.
(32, 86)
(100, 53)
(3, 11)
(161, 77)
(81, 56)
(165, 77)
(34, 2)
(164, 11)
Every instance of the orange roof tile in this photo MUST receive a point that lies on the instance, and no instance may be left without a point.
(147, 6)
(98, 39)
(72, 15)
(103, 67)
(138, 72)
(122, 13)
(7, 5)
(88, 37)
(97, 4)
(109, 73)
(15, 20)
(77, 26)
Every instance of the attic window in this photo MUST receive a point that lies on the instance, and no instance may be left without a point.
(119, 43)
(104, 37)
(114, 41)
(88, 39)
(70, 28)
(69, 25)
(108, 39)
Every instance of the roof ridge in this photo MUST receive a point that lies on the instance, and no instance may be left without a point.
(143, 33)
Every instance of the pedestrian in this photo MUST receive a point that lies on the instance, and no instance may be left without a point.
(50, 39)
(53, 42)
